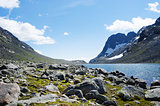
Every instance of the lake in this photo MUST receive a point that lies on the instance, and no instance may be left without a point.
(148, 72)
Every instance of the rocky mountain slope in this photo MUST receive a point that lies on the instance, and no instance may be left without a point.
(113, 43)
(144, 48)
(13, 49)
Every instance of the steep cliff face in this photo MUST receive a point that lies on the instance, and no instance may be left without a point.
(144, 48)
(113, 43)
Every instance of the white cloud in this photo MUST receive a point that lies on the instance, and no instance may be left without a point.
(10, 4)
(39, 15)
(26, 31)
(153, 7)
(66, 33)
(38, 51)
(125, 26)
(80, 3)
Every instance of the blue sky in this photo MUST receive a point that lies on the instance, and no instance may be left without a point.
(74, 29)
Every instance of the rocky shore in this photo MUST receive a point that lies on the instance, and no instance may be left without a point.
(40, 84)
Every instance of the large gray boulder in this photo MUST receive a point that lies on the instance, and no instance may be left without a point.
(88, 85)
(153, 94)
(51, 88)
(9, 93)
(9, 66)
(128, 92)
(76, 92)
(155, 84)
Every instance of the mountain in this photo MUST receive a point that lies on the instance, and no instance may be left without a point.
(144, 48)
(13, 49)
(113, 43)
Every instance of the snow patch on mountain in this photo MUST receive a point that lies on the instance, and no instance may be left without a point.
(110, 50)
(116, 57)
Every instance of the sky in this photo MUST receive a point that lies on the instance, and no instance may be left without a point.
(74, 29)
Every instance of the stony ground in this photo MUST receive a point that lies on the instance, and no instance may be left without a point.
(37, 84)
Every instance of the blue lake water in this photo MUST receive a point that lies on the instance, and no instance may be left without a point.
(148, 72)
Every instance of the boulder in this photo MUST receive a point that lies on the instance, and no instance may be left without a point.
(76, 92)
(9, 66)
(57, 67)
(51, 88)
(88, 85)
(128, 92)
(141, 83)
(130, 81)
(9, 93)
(153, 94)
(101, 98)
(24, 89)
(101, 84)
(155, 83)
(102, 71)
(40, 65)
(60, 76)
(110, 103)
(76, 81)
(80, 72)
(115, 79)
(92, 94)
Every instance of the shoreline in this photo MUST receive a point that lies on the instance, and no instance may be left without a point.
(40, 83)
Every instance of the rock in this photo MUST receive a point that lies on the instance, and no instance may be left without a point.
(127, 104)
(39, 99)
(102, 71)
(101, 84)
(6, 80)
(141, 83)
(9, 93)
(153, 94)
(155, 83)
(137, 102)
(57, 67)
(76, 92)
(40, 65)
(110, 103)
(60, 76)
(128, 92)
(51, 88)
(92, 84)
(130, 81)
(76, 81)
(101, 98)
(88, 85)
(24, 89)
(9, 66)
(92, 94)
(116, 80)
(80, 72)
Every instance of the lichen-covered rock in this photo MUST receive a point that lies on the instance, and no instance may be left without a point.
(9, 93)
(128, 92)
(51, 88)
(153, 94)
(76, 92)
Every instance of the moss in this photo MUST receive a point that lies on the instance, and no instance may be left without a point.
(25, 97)
(35, 83)
(61, 86)
(132, 103)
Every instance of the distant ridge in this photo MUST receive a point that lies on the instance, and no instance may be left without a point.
(12, 48)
